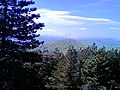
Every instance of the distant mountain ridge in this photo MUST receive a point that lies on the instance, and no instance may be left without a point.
(107, 42)
(52, 42)
(62, 45)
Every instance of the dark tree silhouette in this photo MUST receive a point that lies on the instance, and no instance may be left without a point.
(72, 73)
(17, 26)
(20, 69)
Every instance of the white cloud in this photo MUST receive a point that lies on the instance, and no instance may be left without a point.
(114, 28)
(81, 28)
(54, 17)
(49, 30)
(65, 18)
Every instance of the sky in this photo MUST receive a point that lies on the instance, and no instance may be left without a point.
(79, 18)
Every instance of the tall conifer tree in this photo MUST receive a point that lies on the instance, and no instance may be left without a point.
(17, 26)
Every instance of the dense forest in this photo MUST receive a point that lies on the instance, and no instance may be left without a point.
(86, 68)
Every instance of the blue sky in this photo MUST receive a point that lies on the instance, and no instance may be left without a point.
(80, 18)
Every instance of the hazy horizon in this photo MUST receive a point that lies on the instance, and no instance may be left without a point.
(68, 37)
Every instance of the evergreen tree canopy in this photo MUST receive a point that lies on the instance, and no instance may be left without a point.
(17, 26)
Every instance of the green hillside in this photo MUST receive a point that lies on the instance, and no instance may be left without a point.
(63, 45)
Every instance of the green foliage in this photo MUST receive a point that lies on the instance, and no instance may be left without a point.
(88, 68)
(17, 27)
(92, 68)
(61, 69)
(85, 68)
(72, 73)
(25, 70)
(63, 45)
(19, 69)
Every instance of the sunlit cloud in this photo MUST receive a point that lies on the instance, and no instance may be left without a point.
(114, 28)
(49, 30)
(65, 18)
(81, 28)
(55, 17)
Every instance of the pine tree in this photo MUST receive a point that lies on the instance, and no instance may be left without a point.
(86, 61)
(17, 26)
(61, 69)
(72, 74)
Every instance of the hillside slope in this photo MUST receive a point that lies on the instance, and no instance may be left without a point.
(52, 42)
(62, 45)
